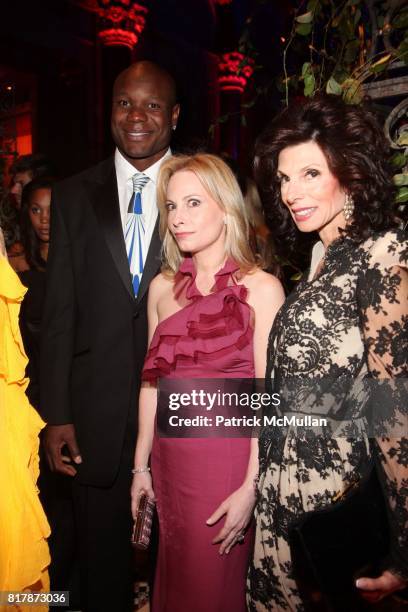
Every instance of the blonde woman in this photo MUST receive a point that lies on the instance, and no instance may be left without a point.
(24, 556)
(209, 312)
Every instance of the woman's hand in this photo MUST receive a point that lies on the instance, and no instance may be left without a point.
(141, 485)
(374, 589)
(239, 508)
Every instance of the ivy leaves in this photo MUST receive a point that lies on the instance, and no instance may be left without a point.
(341, 39)
(304, 23)
(350, 42)
(308, 79)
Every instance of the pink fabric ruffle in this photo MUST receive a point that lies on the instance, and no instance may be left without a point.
(215, 329)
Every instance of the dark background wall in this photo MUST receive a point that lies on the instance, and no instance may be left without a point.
(50, 54)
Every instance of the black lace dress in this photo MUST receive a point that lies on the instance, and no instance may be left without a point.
(346, 320)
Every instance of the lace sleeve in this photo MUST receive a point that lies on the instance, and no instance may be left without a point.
(383, 297)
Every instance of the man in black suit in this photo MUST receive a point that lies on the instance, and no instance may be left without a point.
(95, 329)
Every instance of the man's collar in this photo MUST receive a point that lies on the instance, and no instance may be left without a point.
(125, 170)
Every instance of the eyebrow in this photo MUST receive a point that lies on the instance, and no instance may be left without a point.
(311, 165)
(192, 195)
(187, 197)
(126, 94)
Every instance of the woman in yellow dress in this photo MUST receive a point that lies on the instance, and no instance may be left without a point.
(24, 556)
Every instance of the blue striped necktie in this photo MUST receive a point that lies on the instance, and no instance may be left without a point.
(135, 231)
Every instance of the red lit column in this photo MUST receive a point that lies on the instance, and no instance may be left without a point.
(234, 71)
(120, 22)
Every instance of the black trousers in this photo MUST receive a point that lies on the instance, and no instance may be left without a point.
(104, 528)
(57, 501)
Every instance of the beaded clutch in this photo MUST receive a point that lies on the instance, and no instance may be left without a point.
(143, 523)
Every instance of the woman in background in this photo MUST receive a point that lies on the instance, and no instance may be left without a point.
(24, 555)
(35, 236)
(55, 489)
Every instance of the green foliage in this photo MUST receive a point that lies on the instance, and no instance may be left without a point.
(401, 20)
(351, 91)
(333, 87)
(399, 160)
(340, 39)
(402, 196)
(305, 18)
(402, 141)
(403, 51)
(312, 5)
(381, 64)
(304, 29)
(401, 179)
(308, 79)
(351, 51)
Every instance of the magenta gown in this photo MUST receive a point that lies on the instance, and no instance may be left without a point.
(210, 337)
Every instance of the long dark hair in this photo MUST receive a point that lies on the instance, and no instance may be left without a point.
(357, 154)
(36, 163)
(29, 238)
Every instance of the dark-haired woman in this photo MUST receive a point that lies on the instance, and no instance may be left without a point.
(324, 168)
(56, 494)
(35, 235)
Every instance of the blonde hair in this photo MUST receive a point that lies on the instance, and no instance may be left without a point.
(220, 183)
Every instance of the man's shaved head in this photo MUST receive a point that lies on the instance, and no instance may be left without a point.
(147, 68)
(144, 111)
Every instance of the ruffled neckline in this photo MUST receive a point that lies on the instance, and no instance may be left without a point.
(209, 329)
(221, 278)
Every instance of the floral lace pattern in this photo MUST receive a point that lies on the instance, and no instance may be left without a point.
(349, 321)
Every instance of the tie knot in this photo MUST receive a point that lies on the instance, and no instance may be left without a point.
(139, 181)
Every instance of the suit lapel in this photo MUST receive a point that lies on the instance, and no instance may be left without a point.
(152, 263)
(105, 202)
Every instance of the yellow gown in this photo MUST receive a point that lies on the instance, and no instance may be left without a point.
(24, 555)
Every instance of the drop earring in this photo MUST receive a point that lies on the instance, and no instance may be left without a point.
(348, 207)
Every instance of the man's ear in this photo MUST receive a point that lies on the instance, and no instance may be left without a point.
(175, 115)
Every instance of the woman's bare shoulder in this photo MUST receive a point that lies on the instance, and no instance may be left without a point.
(160, 286)
(262, 284)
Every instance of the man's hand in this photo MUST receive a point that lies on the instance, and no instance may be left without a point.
(55, 438)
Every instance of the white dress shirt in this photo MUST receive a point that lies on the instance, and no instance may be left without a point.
(124, 173)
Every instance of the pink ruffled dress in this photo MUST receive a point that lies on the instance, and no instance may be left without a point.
(210, 337)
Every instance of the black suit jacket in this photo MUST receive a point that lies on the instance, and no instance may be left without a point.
(94, 331)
